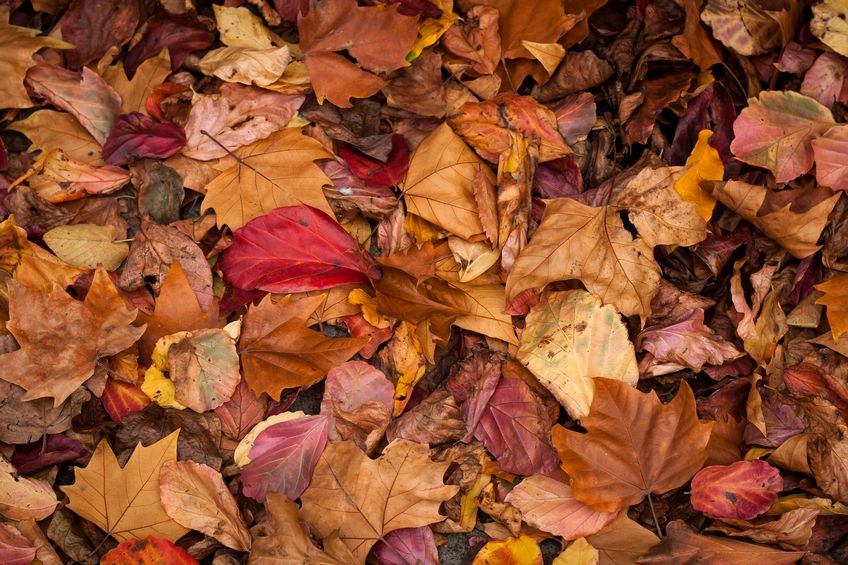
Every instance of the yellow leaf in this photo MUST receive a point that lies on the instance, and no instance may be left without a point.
(368, 305)
(549, 54)
(239, 27)
(124, 502)
(422, 230)
(18, 45)
(134, 93)
(159, 388)
(512, 551)
(830, 24)
(578, 553)
(87, 245)
(704, 164)
(432, 29)
(246, 65)
(405, 352)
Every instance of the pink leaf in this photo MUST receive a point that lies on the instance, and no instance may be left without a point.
(369, 169)
(347, 388)
(516, 429)
(407, 545)
(743, 490)
(831, 152)
(241, 412)
(827, 80)
(548, 504)
(294, 249)
(473, 382)
(284, 456)
(15, 549)
(136, 135)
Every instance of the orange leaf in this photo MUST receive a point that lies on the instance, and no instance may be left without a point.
(149, 551)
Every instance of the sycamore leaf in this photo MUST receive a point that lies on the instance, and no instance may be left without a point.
(836, 299)
(742, 490)
(378, 38)
(793, 218)
(775, 132)
(622, 541)
(317, 254)
(631, 448)
(283, 457)
(512, 551)
(831, 154)
(578, 553)
(439, 183)
(277, 171)
(49, 130)
(195, 496)
(23, 498)
(548, 504)
(61, 338)
(279, 351)
(18, 45)
(87, 245)
(682, 546)
(283, 541)
(575, 241)
(124, 502)
(829, 24)
(148, 551)
(569, 339)
(406, 489)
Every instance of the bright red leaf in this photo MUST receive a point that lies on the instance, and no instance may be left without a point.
(743, 490)
(148, 551)
(367, 168)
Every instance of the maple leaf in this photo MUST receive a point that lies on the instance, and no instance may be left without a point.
(61, 344)
(195, 496)
(18, 45)
(49, 130)
(378, 38)
(835, 298)
(274, 172)
(279, 351)
(406, 491)
(124, 501)
(571, 338)
(631, 446)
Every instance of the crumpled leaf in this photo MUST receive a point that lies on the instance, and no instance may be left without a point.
(247, 65)
(378, 38)
(512, 551)
(407, 494)
(284, 456)
(148, 551)
(195, 496)
(775, 132)
(548, 504)
(318, 253)
(631, 448)
(124, 502)
(61, 344)
(836, 299)
(276, 171)
(434, 420)
(569, 339)
(792, 530)
(743, 490)
(829, 25)
(476, 39)
(18, 45)
(136, 135)
(279, 351)
(515, 428)
(87, 245)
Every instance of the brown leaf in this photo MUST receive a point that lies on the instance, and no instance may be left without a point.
(434, 420)
(25, 422)
(419, 87)
(61, 338)
(746, 28)
(18, 45)
(476, 39)
(631, 448)
(279, 351)
(791, 531)
(623, 541)
(406, 492)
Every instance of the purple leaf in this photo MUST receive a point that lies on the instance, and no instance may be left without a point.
(407, 545)
(180, 33)
(37, 455)
(136, 135)
(283, 457)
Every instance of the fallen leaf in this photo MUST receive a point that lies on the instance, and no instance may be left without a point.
(742, 490)
(134, 93)
(276, 171)
(318, 254)
(279, 351)
(241, 412)
(578, 553)
(24, 422)
(135, 136)
(49, 130)
(196, 497)
(407, 545)
(476, 39)
(87, 245)
(18, 45)
(512, 551)
(180, 33)
(408, 496)
(792, 530)
(547, 504)
(124, 502)
(50, 363)
(15, 549)
(434, 420)
(59, 178)
(204, 366)
(746, 28)
(623, 541)
(147, 552)
(835, 299)
(828, 24)
(54, 449)
(95, 26)
(630, 448)
(23, 498)
(830, 150)
(570, 338)
(703, 164)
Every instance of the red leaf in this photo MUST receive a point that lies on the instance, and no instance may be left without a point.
(241, 412)
(149, 551)
(425, 8)
(294, 249)
(37, 455)
(367, 168)
(743, 490)
(93, 26)
(180, 33)
(516, 430)
(136, 135)
(120, 398)
(283, 457)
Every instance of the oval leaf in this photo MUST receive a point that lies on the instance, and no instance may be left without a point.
(148, 551)
(87, 245)
(743, 490)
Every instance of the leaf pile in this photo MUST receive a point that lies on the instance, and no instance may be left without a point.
(408, 282)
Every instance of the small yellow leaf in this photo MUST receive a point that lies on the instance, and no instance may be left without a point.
(512, 551)
(87, 245)
(549, 54)
(432, 29)
(578, 553)
(704, 164)
(239, 27)
(160, 389)
(406, 354)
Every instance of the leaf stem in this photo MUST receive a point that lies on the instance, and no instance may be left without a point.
(654, 514)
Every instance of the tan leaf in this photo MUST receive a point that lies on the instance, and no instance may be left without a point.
(204, 367)
(743, 26)
(632, 446)
(569, 339)
(87, 245)
(439, 183)
(622, 542)
(18, 45)
(575, 241)
(578, 553)
(791, 531)
(277, 171)
(49, 130)
(134, 92)
(23, 498)
(485, 312)
(31, 264)
(406, 489)
(124, 502)
(279, 351)
(239, 27)
(59, 178)
(246, 65)
(792, 218)
(195, 496)
(829, 24)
